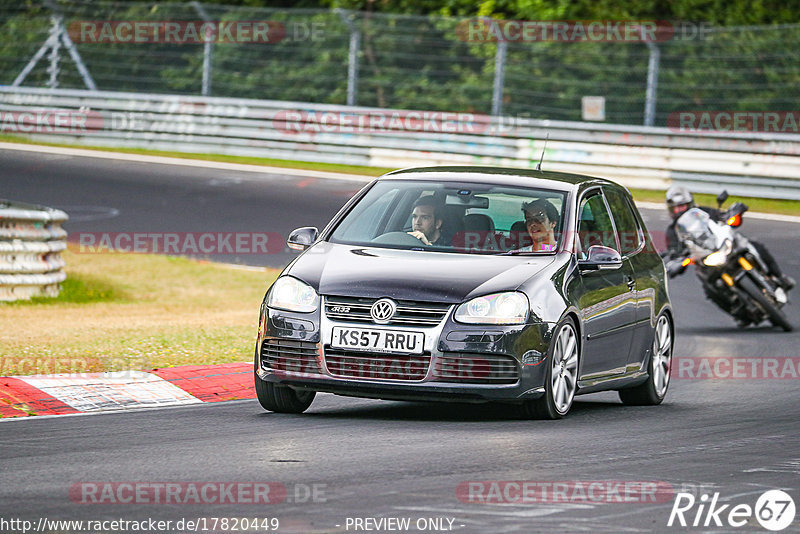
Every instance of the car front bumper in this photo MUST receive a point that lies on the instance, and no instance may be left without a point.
(460, 363)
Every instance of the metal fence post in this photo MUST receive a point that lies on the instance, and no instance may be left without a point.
(56, 34)
(352, 67)
(499, 77)
(652, 84)
(207, 51)
(55, 53)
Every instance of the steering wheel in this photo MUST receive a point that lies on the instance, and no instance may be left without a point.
(398, 238)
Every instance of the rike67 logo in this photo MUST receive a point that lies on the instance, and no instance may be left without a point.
(774, 510)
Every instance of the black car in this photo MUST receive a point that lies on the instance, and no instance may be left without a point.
(471, 284)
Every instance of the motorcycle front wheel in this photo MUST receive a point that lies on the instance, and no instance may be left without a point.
(776, 316)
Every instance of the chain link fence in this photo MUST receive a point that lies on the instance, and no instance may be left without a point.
(393, 61)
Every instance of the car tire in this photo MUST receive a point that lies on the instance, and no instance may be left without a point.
(282, 399)
(561, 377)
(653, 391)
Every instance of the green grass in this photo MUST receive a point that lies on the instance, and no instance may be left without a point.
(765, 205)
(80, 289)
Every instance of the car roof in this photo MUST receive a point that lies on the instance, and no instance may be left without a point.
(500, 175)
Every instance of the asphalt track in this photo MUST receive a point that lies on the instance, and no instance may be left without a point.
(737, 437)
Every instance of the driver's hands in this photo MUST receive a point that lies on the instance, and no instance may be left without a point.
(419, 235)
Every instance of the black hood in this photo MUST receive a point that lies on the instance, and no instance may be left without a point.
(334, 269)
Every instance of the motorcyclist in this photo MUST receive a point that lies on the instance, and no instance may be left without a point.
(679, 199)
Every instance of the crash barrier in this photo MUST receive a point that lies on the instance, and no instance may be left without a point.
(744, 163)
(31, 241)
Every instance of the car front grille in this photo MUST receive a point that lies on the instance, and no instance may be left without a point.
(409, 312)
(476, 368)
(353, 364)
(289, 355)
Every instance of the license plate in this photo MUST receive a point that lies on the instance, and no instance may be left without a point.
(376, 340)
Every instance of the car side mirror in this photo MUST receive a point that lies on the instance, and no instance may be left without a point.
(600, 258)
(302, 238)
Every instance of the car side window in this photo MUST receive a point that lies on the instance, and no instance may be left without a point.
(627, 226)
(594, 224)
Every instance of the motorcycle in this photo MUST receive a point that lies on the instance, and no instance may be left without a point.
(733, 274)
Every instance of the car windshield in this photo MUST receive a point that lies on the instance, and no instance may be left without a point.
(455, 217)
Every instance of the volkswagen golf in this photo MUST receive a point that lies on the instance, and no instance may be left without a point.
(471, 284)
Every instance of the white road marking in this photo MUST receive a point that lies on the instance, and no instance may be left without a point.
(111, 391)
(788, 466)
(134, 409)
(89, 213)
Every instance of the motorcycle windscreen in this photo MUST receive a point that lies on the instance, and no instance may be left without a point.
(695, 228)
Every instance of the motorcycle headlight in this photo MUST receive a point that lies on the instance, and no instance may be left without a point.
(715, 259)
(291, 294)
(500, 308)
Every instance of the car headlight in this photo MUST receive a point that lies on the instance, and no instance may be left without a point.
(715, 259)
(499, 308)
(291, 294)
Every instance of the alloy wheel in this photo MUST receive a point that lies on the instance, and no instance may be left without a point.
(662, 355)
(564, 372)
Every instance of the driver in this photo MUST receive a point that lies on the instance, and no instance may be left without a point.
(426, 220)
(679, 200)
(540, 221)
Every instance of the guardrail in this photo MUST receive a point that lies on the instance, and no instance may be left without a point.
(748, 164)
(31, 241)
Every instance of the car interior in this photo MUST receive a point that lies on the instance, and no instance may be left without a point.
(479, 221)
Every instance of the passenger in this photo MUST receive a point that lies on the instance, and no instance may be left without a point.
(426, 221)
(540, 221)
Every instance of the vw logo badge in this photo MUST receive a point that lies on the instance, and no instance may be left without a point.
(383, 310)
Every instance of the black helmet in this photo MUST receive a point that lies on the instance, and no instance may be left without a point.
(679, 199)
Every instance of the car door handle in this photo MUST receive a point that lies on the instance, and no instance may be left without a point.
(631, 283)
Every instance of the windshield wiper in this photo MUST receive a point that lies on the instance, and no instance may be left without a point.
(518, 252)
(526, 252)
